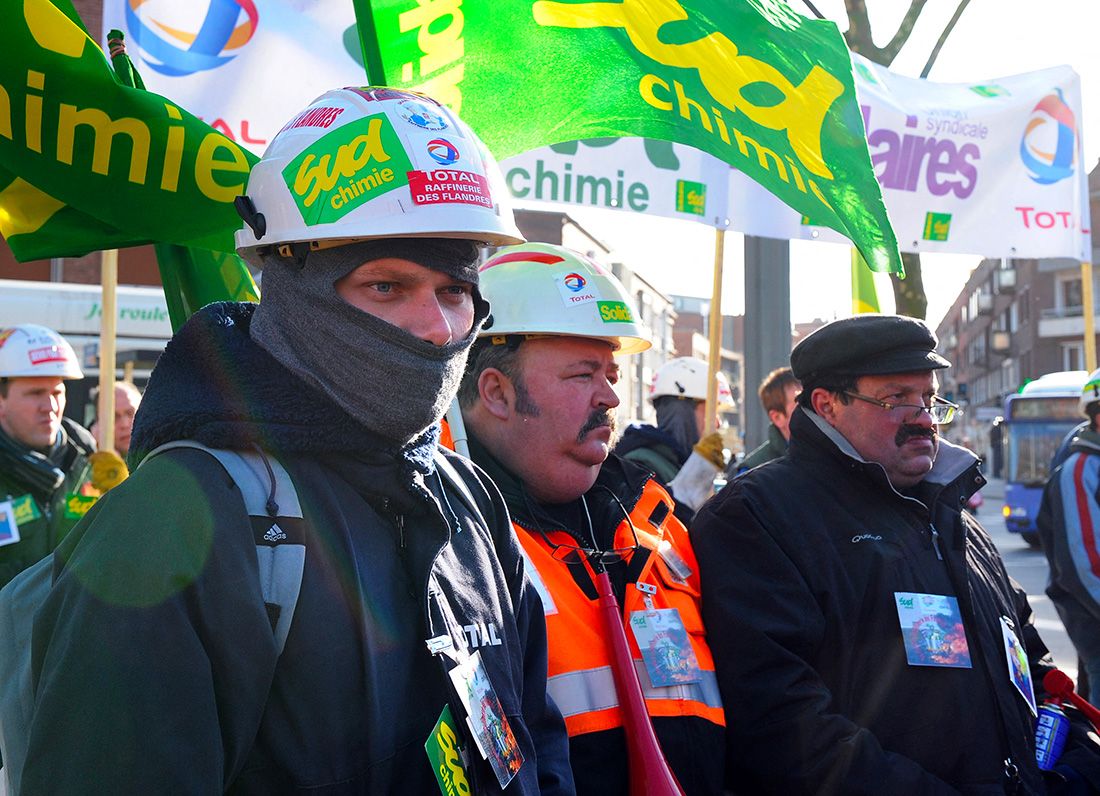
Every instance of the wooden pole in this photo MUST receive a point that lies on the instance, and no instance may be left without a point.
(108, 328)
(715, 358)
(1089, 313)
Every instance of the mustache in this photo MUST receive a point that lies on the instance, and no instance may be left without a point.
(598, 419)
(908, 432)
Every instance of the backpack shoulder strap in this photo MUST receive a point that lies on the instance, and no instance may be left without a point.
(261, 478)
(268, 493)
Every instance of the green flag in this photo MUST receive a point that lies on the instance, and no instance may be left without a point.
(87, 163)
(748, 81)
(864, 295)
(191, 277)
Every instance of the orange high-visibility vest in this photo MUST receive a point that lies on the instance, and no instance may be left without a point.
(581, 680)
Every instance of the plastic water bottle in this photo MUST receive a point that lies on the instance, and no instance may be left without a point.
(1051, 730)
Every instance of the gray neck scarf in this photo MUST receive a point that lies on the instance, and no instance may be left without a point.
(392, 382)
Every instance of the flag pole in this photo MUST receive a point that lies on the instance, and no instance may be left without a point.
(108, 326)
(1089, 310)
(714, 360)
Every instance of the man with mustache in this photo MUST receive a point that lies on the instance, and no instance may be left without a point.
(861, 619)
(539, 401)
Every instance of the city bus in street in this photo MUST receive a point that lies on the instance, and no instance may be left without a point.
(1035, 421)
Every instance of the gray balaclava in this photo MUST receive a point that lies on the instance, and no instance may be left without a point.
(391, 381)
(676, 417)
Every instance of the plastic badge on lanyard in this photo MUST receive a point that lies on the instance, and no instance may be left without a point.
(664, 643)
(485, 716)
(9, 528)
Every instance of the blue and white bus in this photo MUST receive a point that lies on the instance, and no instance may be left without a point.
(1035, 421)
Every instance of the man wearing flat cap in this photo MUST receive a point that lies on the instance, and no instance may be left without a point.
(867, 638)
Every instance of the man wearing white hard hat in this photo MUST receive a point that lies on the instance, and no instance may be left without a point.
(43, 455)
(539, 402)
(684, 451)
(407, 655)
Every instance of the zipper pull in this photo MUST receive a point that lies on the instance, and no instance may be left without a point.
(936, 541)
(397, 519)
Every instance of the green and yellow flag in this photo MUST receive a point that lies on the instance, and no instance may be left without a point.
(864, 295)
(88, 163)
(748, 81)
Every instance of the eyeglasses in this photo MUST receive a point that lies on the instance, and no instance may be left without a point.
(575, 554)
(942, 411)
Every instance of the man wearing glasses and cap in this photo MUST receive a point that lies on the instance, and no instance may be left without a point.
(866, 636)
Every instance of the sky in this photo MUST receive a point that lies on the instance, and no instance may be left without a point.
(993, 38)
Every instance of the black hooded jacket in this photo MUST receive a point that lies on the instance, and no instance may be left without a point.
(156, 666)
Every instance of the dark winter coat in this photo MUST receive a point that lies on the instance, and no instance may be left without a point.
(654, 449)
(801, 559)
(1069, 530)
(43, 525)
(157, 665)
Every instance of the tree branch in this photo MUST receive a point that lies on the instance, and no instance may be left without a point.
(943, 37)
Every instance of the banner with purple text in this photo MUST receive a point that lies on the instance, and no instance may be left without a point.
(993, 168)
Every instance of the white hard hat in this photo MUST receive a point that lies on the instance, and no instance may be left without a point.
(32, 350)
(1091, 391)
(542, 289)
(364, 163)
(686, 377)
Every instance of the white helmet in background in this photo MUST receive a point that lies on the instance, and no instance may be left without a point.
(364, 163)
(686, 377)
(540, 289)
(32, 350)
(1091, 392)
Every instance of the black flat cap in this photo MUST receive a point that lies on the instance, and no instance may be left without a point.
(866, 345)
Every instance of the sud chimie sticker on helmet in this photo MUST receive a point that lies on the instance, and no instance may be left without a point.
(422, 115)
(347, 168)
(575, 289)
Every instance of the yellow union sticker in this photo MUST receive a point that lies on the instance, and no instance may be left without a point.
(442, 749)
(76, 506)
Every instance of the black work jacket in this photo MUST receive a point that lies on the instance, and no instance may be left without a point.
(801, 559)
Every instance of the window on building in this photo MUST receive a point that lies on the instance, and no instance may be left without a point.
(1023, 305)
(1068, 295)
(1073, 356)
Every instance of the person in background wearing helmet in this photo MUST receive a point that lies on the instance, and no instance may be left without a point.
(127, 400)
(43, 455)
(866, 636)
(1069, 530)
(681, 450)
(778, 393)
(539, 401)
(415, 660)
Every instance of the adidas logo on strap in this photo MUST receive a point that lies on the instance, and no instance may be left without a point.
(274, 534)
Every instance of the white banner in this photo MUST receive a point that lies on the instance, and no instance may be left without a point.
(244, 67)
(993, 168)
(638, 175)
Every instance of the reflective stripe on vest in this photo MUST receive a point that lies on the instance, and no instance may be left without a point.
(581, 681)
(594, 689)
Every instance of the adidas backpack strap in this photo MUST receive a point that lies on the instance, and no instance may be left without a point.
(268, 493)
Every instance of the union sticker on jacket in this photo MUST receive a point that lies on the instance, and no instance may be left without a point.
(932, 628)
